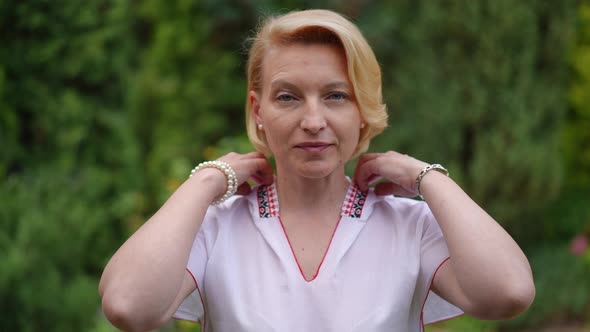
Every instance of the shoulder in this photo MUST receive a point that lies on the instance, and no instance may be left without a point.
(234, 209)
(261, 202)
(237, 204)
(400, 206)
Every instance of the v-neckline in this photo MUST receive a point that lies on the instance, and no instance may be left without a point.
(319, 265)
(343, 235)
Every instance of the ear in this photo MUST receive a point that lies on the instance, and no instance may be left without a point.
(254, 100)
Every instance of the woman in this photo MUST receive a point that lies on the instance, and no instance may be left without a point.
(309, 249)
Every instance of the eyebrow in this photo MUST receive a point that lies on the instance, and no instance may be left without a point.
(337, 85)
(332, 85)
(282, 84)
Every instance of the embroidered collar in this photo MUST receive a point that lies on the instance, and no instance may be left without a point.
(268, 202)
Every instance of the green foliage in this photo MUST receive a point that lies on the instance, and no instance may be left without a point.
(481, 87)
(54, 243)
(185, 326)
(105, 106)
(63, 66)
(189, 90)
(561, 220)
(67, 169)
(463, 324)
(563, 288)
(576, 131)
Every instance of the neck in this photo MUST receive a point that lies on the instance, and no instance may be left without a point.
(324, 195)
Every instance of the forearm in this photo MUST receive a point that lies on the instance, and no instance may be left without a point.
(489, 266)
(143, 278)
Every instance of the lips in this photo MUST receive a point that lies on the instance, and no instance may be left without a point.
(313, 146)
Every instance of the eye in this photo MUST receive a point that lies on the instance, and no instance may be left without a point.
(285, 97)
(337, 96)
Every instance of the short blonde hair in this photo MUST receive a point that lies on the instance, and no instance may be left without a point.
(324, 27)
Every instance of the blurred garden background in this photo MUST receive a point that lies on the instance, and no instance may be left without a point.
(106, 105)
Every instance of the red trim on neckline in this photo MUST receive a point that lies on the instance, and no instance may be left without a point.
(317, 272)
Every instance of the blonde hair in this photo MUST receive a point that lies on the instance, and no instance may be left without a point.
(324, 27)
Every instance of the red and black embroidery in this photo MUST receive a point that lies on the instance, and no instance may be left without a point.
(354, 202)
(268, 203)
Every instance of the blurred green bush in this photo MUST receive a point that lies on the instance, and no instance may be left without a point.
(106, 105)
(69, 160)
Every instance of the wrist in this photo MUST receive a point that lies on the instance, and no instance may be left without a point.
(437, 168)
(212, 179)
(227, 171)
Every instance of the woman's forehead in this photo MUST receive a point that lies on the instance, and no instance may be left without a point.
(301, 61)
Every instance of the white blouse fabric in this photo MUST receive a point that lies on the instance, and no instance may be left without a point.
(375, 276)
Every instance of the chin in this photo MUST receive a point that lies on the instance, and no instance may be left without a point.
(317, 170)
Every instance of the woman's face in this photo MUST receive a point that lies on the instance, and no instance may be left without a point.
(307, 109)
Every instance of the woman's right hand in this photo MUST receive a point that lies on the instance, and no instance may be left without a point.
(247, 166)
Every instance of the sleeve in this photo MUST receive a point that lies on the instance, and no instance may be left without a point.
(433, 254)
(193, 307)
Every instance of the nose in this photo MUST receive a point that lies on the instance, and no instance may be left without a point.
(313, 119)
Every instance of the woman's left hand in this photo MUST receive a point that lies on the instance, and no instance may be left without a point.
(398, 170)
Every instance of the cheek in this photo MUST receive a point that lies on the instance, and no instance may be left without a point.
(277, 135)
(353, 143)
(348, 129)
(351, 137)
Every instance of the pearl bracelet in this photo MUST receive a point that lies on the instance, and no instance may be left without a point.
(436, 167)
(230, 174)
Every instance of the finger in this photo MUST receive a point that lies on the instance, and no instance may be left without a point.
(365, 173)
(233, 157)
(384, 188)
(263, 171)
(369, 155)
(363, 159)
(256, 179)
(374, 179)
(246, 169)
(263, 177)
(244, 189)
(254, 154)
(366, 157)
(390, 188)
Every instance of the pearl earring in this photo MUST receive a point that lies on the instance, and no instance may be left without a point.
(259, 126)
(362, 125)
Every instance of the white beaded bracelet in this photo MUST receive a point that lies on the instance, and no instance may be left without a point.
(436, 167)
(230, 174)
